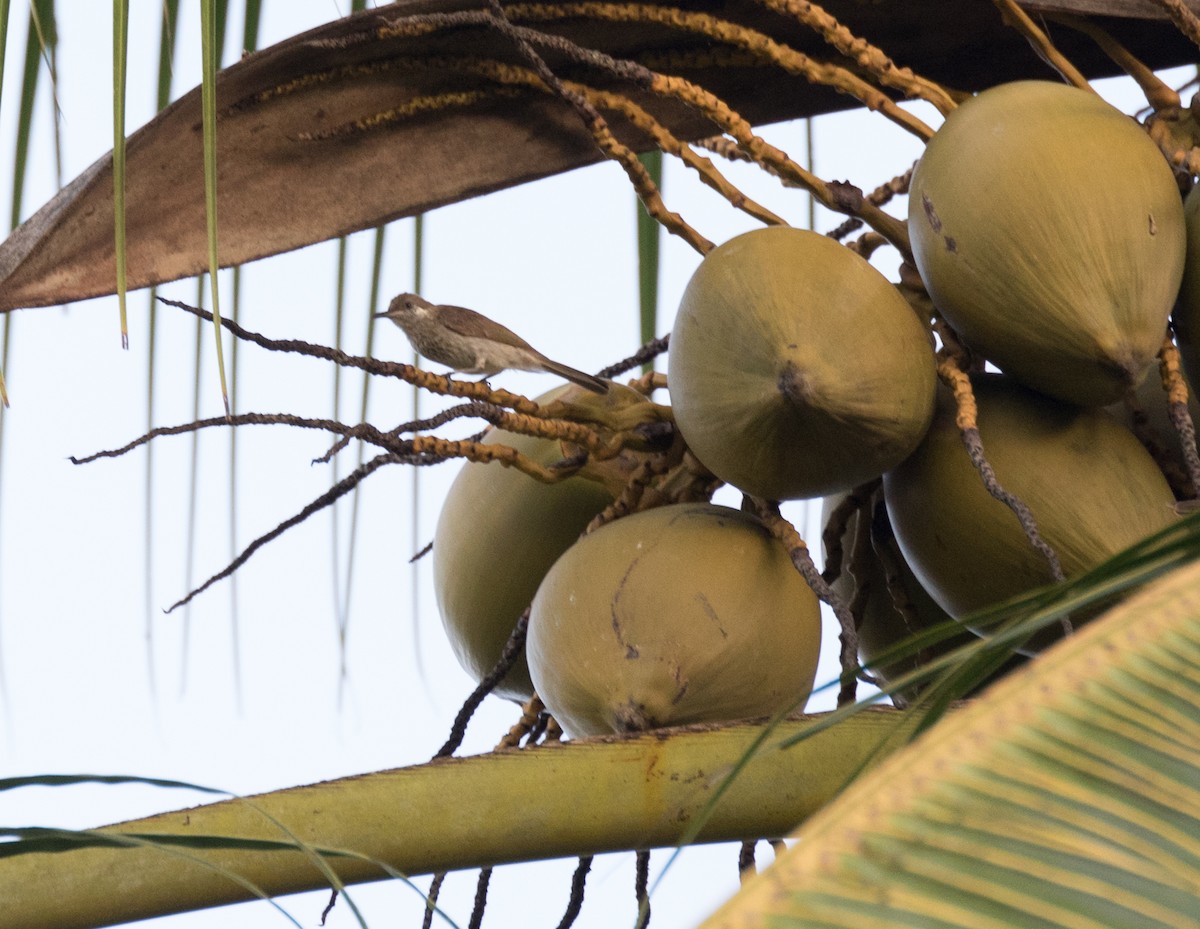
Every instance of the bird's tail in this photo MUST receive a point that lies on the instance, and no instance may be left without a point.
(577, 377)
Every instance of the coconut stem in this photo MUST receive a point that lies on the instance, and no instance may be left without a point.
(868, 57)
(603, 137)
(861, 556)
(747, 867)
(481, 892)
(508, 657)
(1175, 384)
(797, 549)
(883, 541)
(1159, 94)
(1181, 419)
(647, 352)
(974, 445)
(531, 714)
(578, 883)
(431, 899)
(867, 244)
(630, 498)
(835, 527)
(1014, 16)
(641, 885)
(1184, 19)
(953, 376)
(1181, 484)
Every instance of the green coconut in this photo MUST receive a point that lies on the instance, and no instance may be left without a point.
(498, 533)
(796, 370)
(682, 614)
(1049, 231)
(874, 575)
(1090, 485)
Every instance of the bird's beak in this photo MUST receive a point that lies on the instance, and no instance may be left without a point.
(377, 315)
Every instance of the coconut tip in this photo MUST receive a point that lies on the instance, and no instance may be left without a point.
(633, 716)
(794, 385)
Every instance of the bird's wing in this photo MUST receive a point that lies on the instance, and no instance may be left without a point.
(469, 323)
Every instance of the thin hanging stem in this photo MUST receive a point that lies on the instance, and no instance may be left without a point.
(234, 623)
(7, 320)
(344, 616)
(166, 54)
(339, 317)
(415, 542)
(190, 555)
(120, 54)
(208, 95)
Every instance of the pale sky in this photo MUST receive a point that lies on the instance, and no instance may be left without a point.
(553, 260)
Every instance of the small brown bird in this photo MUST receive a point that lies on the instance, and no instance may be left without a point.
(470, 343)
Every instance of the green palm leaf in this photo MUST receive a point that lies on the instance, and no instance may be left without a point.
(595, 795)
(1069, 795)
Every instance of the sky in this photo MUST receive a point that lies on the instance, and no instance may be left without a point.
(251, 700)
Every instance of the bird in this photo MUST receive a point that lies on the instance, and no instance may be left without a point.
(470, 343)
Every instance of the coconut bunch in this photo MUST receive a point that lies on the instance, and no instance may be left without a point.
(1064, 279)
(500, 531)
(1050, 235)
(655, 619)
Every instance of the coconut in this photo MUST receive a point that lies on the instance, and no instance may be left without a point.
(682, 614)
(796, 370)
(1049, 231)
(874, 576)
(1090, 485)
(498, 533)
